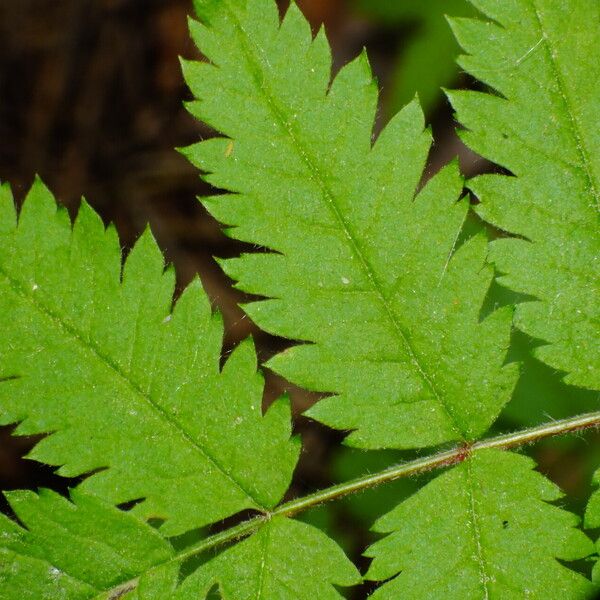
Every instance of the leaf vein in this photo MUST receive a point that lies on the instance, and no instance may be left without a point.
(476, 532)
(351, 237)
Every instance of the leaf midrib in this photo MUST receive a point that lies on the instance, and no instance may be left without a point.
(263, 564)
(476, 530)
(331, 203)
(19, 289)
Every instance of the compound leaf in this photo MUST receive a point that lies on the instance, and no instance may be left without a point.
(87, 549)
(97, 357)
(374, 278)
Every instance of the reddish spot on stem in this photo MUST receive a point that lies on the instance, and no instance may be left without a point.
(464, 452)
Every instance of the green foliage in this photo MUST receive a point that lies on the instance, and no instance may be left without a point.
(481, 530)
(403, 310)
(382, 280)
(72, 550)
(592, 521)
(541, 390)
(87, 548)
(427, 59)
(98, 356)
(286, 559)
(541, 123)
(350, 463)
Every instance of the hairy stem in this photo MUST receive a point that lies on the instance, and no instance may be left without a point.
(413, 467)
(441, 459)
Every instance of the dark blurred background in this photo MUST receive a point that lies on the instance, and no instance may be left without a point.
(91, 99)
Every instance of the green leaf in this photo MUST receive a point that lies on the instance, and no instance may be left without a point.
(592, 521)
(371, 276)
(541, 391)
(540, 58)
(124, 383)
(483, 529)
(285, 559)
(96, 355)
(427, 60)
(72, 550)
(88, 549)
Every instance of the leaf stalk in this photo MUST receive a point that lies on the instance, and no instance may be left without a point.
(439, 460)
